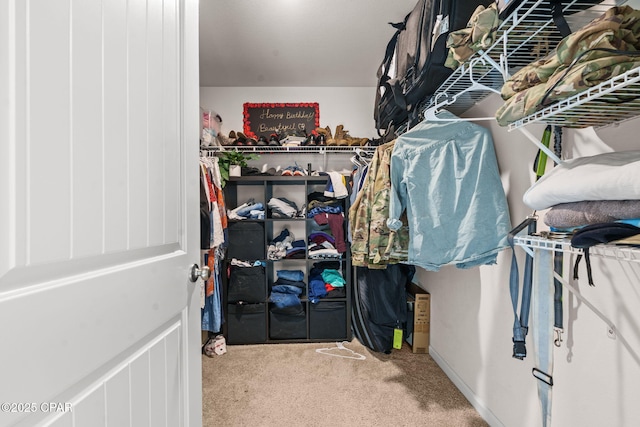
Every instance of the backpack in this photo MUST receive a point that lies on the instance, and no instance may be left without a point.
(413, 65)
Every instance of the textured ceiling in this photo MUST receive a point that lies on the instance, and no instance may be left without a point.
(295, 43)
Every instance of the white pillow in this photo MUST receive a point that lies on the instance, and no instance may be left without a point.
(607, 176)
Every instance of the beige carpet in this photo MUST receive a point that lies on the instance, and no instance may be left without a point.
(293, 385)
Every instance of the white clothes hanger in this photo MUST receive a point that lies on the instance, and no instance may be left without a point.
(430, 113)
(356, 162)
(340, 346)
(362, 153)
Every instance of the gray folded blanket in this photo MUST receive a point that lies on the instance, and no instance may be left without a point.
(574, 214)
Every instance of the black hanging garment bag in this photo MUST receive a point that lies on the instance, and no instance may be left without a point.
(413, 66)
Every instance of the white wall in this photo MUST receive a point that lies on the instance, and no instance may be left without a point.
(351, 107)
(596, 377)
(348, 106)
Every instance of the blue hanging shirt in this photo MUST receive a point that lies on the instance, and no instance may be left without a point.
(445, 175)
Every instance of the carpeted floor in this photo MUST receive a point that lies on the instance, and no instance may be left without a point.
(293, 385)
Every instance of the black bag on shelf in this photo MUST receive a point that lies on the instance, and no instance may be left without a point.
(390, 109)
(418, 50)
(246, 284)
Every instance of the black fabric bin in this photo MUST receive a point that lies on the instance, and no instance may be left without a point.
(246, 323)
(246, 284)
(327, 320)
(287, 326)
(246, 240)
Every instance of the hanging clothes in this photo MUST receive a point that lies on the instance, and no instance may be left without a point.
(211, 181)
(358, 175)
(213, 232)
(444, 175)
(374, 245)
(212, 316)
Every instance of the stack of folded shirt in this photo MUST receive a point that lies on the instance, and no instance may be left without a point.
(248, 210)
(319, 203)
(283, 208)
(326, 281)
(285, 246)
(297, 250)
(322, 245)
(286, 291)
(333, 282)
(278, 247)
(328, 211)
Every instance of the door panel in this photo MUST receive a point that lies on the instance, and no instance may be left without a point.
(114, 127)
(47, 117)
(86, 124)
(101, 192)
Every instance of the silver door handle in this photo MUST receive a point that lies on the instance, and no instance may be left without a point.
(196, 272)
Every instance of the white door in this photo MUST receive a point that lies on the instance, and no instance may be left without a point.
(99, 325)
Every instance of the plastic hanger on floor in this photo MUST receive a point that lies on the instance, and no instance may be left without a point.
(329, 351)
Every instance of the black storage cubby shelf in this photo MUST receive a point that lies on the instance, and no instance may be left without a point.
(254, 321)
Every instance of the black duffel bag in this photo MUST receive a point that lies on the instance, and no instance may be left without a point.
(418, 50)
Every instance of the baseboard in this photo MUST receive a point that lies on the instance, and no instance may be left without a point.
(478, 404)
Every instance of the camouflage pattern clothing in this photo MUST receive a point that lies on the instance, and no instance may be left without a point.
(479, 34)
(373, 244)
(557, 77)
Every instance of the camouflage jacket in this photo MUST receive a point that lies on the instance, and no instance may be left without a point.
(479, 34)
(373, 244)
(581, 60)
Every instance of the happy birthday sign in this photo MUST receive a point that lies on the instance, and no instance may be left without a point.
(288, 119)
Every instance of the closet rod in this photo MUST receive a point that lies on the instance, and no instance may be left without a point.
(322, 149)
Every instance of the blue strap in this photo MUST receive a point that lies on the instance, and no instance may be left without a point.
(557, 298)
(543, 281)
(520, 322)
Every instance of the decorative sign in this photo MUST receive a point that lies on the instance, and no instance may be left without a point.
(288, 119)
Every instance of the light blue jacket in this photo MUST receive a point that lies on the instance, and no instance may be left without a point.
(445, 175)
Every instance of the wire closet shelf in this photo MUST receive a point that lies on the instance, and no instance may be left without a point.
(309, 149)
(527, 35)
(618, 252)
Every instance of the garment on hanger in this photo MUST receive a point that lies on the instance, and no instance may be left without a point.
(211, 181)
(444, 176)
(374, 245)
(212, 316)
(358, 175)
(212, 241)
(361, 162)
